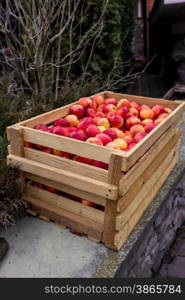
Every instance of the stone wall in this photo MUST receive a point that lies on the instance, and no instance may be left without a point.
(146, 256)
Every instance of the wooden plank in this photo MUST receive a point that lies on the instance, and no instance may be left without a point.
(69, 145)
(66, 188)
(63, 202)
(15, 137)
(144, 100)
(143, 163)
(136, 152)
(146, 175)
(123, 218)
(66, 164)
(121, 236)
(59, 215)
(114, 175)
(80, 182)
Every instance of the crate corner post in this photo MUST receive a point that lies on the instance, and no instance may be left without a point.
(114, 176)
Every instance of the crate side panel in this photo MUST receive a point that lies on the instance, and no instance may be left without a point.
(121, 236)
(159, 169)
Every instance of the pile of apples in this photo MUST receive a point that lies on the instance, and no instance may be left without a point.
(108, 122)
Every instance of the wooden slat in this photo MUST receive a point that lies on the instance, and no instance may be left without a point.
(80, 182)
(66, 164)
(15, 137)
(146, 175)
(59, 215)
(143, 163)
(144, 100)
(110, 208)
(69, 145)
(66, 188)
(64, 203)
(121, 236)
(123, 218)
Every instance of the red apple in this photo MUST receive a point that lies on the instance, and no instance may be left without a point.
(168, 110)
(158, 109)
(105, 138)
(78, 135)
(103, 122)
(139, 136)
(146, 113)
(163, 116)
(123, 111)
(132, 121)
(91, 112)
(46, 150)
(135, 105)
(94, 140)
(123, 102)
(93, 104)
(73, 120)
(149, 127)
(113, 145)
(100, 114)
(84, 123)
(109, 107)
(87, 203)
(128, 139)
(41, 127)
(131, 145)
(111, 101)
(28, 144)
(115, 120)
(100, 164)
(119, 132)
(111, 133)
(147, 121)
(133, 112)
(85, 102)
(52, 190)
(57, 152)
(62, 122)
(60, 130)
(99, 99)
(121, 143)
(135, 129)
(92, 130)
(77, 110)
(68, 155)
(83, 160)
(101, 108)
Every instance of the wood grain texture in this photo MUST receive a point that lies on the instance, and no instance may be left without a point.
(158, 168)
(114, 175)
(120, 237)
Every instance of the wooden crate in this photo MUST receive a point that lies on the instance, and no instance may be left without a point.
(123, 192)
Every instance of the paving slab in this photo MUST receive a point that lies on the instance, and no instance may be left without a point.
(41, 249)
